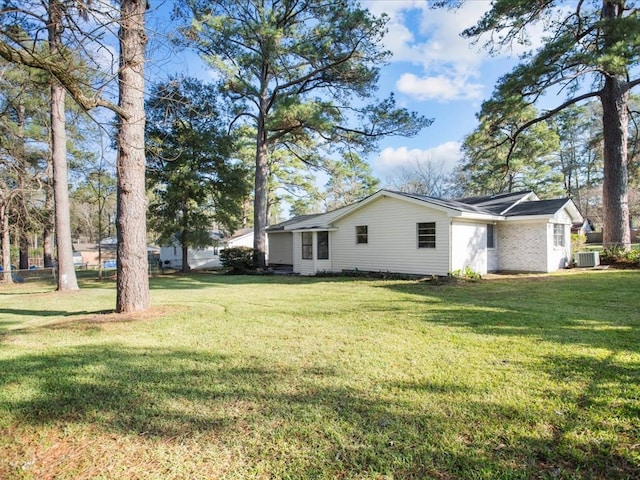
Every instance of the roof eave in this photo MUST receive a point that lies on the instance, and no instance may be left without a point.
(529, 217)
(478, 216)
(314, 229)
(575, 214)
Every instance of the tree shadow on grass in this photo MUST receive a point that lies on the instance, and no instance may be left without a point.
(598, 428)
(206, 279)
(566, 310)
(296, 423)
(49, 313)
(598, 436)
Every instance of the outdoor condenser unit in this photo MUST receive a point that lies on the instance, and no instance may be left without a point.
(588, 259)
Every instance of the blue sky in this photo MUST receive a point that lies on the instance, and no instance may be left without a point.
(439, 74)
(433, 71)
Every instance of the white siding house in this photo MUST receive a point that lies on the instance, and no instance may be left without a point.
(469, 246)
(208, 257)
(280, 248)
(414, 234)
(200, 259)
(391, 244)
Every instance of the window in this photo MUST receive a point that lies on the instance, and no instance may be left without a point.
(491, 232)
(427, 235)
(362, 234)
(307, 245)
(558, 235)
(323, 245)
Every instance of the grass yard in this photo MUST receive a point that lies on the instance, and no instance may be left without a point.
(281, 377)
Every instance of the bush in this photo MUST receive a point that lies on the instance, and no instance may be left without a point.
(239, 260)
(467, 273)
(620, 257)
(578, 242)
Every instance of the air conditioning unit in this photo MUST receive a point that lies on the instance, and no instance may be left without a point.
(587, 259)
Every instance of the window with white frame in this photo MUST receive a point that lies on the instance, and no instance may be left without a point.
(491, 235)
(558, 235)
(323, 246)
(362, 234)
(426, 235)
(307, 245)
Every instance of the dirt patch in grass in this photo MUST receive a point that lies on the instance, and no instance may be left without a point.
(110, 316)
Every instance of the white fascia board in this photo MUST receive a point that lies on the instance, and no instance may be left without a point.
(306, 226)
(321, 221)
(477, 216)
(314, 229)
(529, 197)
(529, 218)
(574, 213)
(423, 203)
(571, 208)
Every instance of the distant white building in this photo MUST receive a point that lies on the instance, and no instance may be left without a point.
(205, 258)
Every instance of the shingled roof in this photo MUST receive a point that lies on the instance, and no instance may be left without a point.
(505, 205)
(452, 204)
(298, 218)
(539, 207)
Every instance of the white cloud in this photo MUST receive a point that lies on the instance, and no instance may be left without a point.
(442, 88)
(390, 159)
(435, 40)
(392, 7)
(431, 39)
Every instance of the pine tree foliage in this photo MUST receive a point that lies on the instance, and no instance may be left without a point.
(492, 165)
(194, 179)
(590, 51)
(303, 73)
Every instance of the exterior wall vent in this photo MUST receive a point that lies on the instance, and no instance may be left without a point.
(587, 259)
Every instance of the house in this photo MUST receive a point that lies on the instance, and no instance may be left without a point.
(207, 257)
(240, 238)
(416, 234)
(280, 241)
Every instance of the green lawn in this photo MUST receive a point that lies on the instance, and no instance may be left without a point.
(281, 377)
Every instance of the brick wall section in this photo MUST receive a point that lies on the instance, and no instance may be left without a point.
(522, 247)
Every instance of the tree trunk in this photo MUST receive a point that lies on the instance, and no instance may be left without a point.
(184, 241)
(615, 120)
(21, 209)
(23, 255)
(260, 208)
(48, 228)
(185, 260)
(133, 267)
(6, 242)
(64, 245)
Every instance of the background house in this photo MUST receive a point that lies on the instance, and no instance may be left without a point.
(208, 257)
(415, 234)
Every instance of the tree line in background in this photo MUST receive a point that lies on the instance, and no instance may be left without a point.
(295, 96)
(69, 42)
(587, 64)
(298, 79)
(559, 157)
(589, 53)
